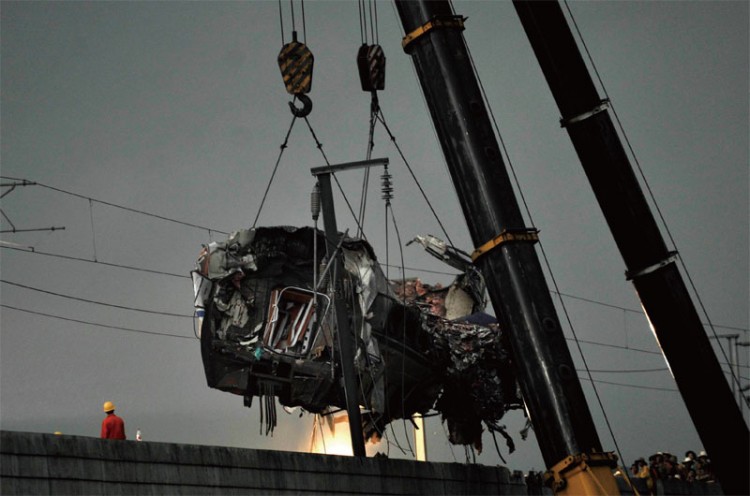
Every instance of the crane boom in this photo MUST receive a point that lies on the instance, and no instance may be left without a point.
(505, 246)
(650, 266)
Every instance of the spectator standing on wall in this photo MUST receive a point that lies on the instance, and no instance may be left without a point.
(643, 471)
(113, 427)
(655, 465)
(690, 454)
(703, 472)
(670, 467)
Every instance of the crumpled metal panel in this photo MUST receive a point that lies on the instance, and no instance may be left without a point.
(409, 359)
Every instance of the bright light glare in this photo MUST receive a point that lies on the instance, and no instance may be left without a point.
(326, 441)
(656, 336)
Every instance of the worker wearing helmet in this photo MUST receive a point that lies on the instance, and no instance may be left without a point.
(113, 427)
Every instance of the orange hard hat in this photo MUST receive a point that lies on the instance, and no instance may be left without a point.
(108, 406)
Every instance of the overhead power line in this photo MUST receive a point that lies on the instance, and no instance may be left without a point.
(143, 310)
(13, 228)
(34, 251)
(415, 269)
(636, 386)
(149, 214)
(594, 343)
(118, 328)
(99, 262)
(619, 347)
(122, 207)
(629, 371)
(631, 310)
(165, 334)
(169, 314)
(627, 348)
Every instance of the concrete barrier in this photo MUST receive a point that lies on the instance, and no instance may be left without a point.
(35, 463)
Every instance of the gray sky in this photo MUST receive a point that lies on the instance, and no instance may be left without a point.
(178, 109)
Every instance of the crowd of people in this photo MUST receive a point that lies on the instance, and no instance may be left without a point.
(663, 465)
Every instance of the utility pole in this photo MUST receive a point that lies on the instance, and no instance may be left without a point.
(344, 329)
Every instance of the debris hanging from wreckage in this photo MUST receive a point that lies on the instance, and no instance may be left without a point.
(268, 331)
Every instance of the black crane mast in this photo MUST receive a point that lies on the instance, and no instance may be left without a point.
(506, 256)
(650, 265)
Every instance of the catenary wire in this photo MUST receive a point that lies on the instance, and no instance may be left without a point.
(98, 262)
(157, 272)
(181, 276)
(122, 207)
(398, 267)
(635, 386)
(210, 230)
(96, 324)
(141, 331)
(123, 307)
(189, 337)
(629, 371)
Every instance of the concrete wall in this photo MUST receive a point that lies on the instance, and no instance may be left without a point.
(34, 463)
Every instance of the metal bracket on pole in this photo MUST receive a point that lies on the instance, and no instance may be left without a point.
(330, 169)
(13, 185)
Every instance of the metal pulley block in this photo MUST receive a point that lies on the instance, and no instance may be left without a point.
(296, 65)
(371, 65)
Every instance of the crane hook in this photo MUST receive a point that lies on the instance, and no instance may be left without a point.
(306, 105)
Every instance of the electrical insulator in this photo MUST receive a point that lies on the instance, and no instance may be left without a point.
(315, 202)
(387, 186)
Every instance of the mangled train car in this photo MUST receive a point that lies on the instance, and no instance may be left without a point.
(268, 331)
